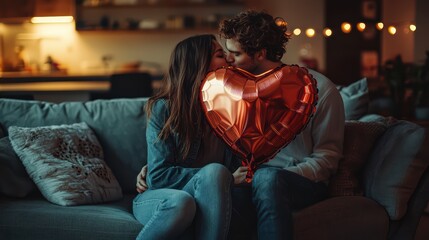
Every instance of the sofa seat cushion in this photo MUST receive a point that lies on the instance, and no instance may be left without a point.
(348, 217)
(119, 124)
(37, 219)
(422, 232)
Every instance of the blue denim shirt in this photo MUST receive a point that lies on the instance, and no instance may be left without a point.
(164, 168)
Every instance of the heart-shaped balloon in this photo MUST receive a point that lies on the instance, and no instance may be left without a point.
(258, 115)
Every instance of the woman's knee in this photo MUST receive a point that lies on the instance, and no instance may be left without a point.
(213, 177)
(168, 209)
(180, 204)
(164, 203)
(215, 171)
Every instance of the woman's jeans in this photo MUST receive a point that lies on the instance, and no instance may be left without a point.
(211, 189)
(205, 201)
(165, 213)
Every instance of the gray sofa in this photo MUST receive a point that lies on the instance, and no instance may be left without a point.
(386, 202)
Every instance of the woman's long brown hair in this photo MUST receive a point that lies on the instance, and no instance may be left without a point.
(189, 64)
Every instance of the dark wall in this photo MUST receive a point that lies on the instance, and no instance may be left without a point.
(343, 51)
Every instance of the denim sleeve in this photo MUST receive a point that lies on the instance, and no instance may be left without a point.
(163, 171)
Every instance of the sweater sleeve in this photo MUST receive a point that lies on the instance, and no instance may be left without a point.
(316, 151)
(327, 136)
(163, 170)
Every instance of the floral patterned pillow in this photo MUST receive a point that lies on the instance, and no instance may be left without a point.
(66, 163)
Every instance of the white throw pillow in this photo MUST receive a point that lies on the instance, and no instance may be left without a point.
(66, 163)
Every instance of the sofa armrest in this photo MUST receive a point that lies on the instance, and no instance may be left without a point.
(416, 206)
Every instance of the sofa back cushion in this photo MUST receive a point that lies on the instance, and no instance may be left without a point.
(14, 180)
(356, 99)
(395, 166)
(119, 124)
(359, 138)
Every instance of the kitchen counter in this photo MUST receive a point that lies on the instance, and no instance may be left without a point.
(20, 77)
(56, 86)
(53, 87)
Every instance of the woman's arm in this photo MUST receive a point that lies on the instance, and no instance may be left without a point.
(163, 170)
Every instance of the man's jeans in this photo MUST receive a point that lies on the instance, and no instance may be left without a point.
(265, 207)
(276, 193)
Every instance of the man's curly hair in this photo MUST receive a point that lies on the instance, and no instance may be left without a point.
(256, 31)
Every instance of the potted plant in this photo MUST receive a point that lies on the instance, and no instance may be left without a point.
(396, 73)
(421, 90)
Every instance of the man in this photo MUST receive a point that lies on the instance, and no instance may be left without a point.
(298, 175)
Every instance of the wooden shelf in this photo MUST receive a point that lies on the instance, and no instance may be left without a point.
(162, 5)
(149, 31)
(163, 17)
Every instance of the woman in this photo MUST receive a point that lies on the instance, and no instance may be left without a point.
(187, 163)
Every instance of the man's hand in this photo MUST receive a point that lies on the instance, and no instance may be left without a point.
(240, 175)
(141, 185)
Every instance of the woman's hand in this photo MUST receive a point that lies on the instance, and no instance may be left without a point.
(240, 175)
(141, 185)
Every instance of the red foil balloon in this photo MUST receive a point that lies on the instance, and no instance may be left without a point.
(258, 115)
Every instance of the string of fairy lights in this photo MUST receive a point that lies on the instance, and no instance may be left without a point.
(347, 27)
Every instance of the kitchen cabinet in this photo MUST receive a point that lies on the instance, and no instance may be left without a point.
(46, 8)
(16, 9)
(154, 15)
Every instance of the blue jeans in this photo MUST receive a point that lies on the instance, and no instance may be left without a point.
(276, 193)
(243, 219)
(211, 189)
(165, 213)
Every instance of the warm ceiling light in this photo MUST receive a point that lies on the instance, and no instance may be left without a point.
(327, 32)
(379, 26)
(56, 19)
(361, 26)
(413, 27)
(310, 32)
(391, 30)
(346, 27)
(280, 22)
(297, 31)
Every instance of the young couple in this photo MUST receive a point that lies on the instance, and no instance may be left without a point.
(190, 186)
